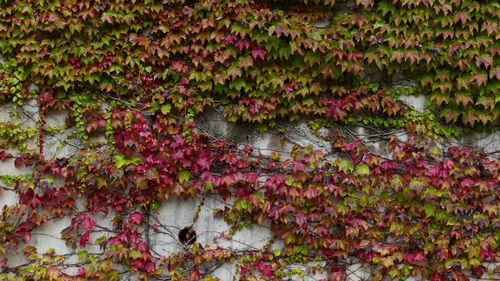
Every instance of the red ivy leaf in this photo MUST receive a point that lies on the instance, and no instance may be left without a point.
(478, 271)
(136, 217)
(84, 239)
(328, 252)
(195, 274)
(337, 274)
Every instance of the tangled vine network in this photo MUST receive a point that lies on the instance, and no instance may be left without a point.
(135, 78)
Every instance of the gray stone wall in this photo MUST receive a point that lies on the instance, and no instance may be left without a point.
(177, 213)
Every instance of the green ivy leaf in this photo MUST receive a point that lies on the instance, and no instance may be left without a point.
(184, 176)
(429, 209)
(240, 204)
(82, 256)
(346, 166)
(122, 160)
(362, 170)
(165, 109)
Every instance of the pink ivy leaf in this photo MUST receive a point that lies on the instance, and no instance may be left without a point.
(133, 236)
(251, 177)
(359, 223)
(434, 171)
(442, 255)
(230, 38)
(300, 218)
(27, 236)
(207, 176)
(81, 271)
(265, 269)
(448, 164)
(88, 223)
(287, 88)
(205, 163)
(274, 213)
(415, 257)
(467, 182)
(311, 193)
(298, 166)
(241, 193)
(150, 267)
(141, 246)
(243, 44)
(389, 165)
(178, 24)
(259, 53)
(273, 182)
(136, 217)
(487, 254)
(190, 125)
(138, 263)
(84, 239)
(278, 30)
(332, 187)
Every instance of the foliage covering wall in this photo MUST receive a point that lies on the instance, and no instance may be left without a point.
(141, 72)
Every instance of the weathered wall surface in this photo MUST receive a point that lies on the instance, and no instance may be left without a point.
(176, 213)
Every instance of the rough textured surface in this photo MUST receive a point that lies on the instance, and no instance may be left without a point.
(177, 213)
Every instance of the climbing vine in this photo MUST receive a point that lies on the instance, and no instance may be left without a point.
(134, 77)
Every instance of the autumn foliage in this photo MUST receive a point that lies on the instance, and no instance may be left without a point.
(140, 73)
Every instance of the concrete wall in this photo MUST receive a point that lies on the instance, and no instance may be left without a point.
(177, 213)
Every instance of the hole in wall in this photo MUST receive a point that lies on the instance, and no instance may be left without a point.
(187, 236)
